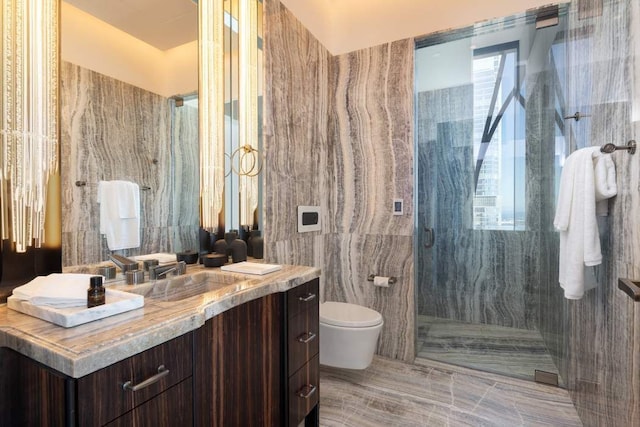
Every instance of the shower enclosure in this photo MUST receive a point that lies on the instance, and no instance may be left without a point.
(489, 146)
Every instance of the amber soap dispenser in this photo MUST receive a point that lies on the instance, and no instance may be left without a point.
(95, 293)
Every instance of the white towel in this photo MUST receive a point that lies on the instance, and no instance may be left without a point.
(129, 200)
(575, 219)
(118, 199)
(605, 181)
(56, 290)
(163, 258)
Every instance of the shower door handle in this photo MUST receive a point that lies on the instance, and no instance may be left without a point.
(430, 237)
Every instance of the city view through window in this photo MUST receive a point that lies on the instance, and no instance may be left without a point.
(499, 143)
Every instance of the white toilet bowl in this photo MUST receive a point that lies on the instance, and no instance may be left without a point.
(348, 335)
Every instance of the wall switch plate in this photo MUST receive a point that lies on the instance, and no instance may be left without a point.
(398, 207)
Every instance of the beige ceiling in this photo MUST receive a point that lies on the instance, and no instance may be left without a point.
(347, 25)
(164, 24)
(340, 25)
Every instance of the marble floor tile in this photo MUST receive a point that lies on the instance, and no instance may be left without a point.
(497, 349)
(393, 393)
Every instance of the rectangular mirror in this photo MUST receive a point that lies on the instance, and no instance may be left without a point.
(129, 111)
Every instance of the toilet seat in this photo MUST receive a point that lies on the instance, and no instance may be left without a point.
(348, 315)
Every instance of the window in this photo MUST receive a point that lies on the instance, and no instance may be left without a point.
(498, 139)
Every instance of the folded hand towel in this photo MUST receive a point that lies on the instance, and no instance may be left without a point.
(163, 258)
(56, 290)
(605, 182)
(576, 220)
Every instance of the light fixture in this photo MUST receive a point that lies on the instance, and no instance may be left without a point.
(29, 117)
(248, 110)
(211, 111)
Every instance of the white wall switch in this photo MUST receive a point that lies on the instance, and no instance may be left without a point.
(398, 207)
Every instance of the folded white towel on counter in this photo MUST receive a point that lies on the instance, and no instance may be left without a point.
(120, 213)
(163, 258)
(575, 219)
(60, 290)
(605, 182)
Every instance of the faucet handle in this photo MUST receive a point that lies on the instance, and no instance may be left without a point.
(181, 268)
(124, 263)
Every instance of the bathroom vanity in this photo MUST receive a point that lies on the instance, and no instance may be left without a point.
(247, 357)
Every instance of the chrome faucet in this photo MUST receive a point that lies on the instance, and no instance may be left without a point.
(158, 271)
(124, 263)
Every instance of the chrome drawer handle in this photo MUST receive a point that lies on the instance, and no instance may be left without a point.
(307, 297)
(162, 372)
(306, 391)
(307, 337)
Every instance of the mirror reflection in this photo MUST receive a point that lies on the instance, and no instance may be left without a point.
(129, 112)
(129, 117)
(244, 160)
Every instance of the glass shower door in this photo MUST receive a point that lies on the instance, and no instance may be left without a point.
(486, 169)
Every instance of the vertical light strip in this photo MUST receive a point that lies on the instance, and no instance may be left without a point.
(211, 110)
(248, 97)
(29, 128)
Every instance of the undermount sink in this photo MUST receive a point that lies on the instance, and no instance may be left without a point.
(182, 287)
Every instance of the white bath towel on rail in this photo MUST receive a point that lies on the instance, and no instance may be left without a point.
(120, 213)
(575, 219)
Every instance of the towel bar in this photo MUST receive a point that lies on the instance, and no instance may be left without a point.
(610, 148)
(84, 184)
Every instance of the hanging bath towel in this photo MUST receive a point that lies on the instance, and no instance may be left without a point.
(575, 219)
(120, 213)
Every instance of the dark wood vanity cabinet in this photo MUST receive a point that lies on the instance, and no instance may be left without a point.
(152, 385)
(255, 364)
(31, 394)
(237, 366)
(302, 354)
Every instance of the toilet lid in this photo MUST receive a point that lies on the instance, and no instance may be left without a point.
(348, 315)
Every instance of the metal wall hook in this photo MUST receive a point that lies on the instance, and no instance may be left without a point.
(610, 148)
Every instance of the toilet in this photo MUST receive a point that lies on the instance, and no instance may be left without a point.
(348, 335)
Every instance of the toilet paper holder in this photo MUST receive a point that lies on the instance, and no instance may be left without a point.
(392, 280)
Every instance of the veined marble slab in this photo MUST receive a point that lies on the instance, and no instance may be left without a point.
(116, 302)
(391, 393)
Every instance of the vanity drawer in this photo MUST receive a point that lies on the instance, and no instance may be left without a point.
(304, 391)
(101, 396)
(302, 338)
(303, 297)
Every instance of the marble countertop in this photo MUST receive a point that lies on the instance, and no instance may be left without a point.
(86, 348)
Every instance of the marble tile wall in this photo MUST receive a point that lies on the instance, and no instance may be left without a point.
(338, 135)
(295, 137)
(603, 354)
(371, 164)
(112, 130)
